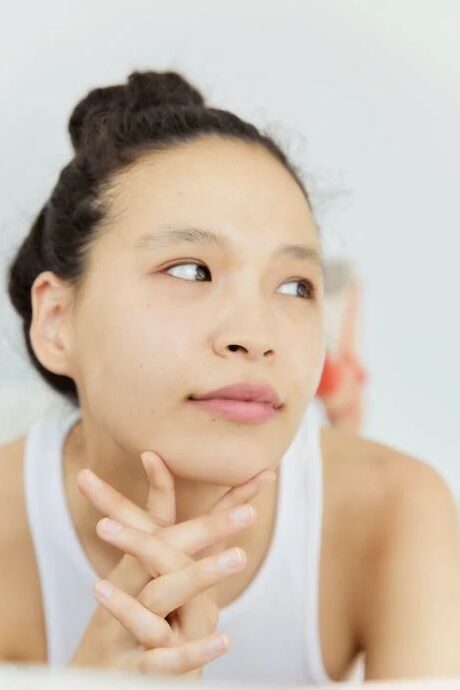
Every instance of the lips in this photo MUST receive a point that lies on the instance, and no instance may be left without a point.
(243, 392)
(241, 411)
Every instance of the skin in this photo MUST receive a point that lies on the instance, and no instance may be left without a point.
(161, 580)
(401, 523)
(138, 339)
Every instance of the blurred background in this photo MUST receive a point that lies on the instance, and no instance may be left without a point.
(365, 98)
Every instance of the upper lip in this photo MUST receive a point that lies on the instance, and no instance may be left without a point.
(244, 391)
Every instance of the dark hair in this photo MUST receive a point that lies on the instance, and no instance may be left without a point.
(110, 128)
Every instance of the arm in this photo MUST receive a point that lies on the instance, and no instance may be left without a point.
(410, 616)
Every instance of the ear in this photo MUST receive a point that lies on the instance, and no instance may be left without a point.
(50, 330)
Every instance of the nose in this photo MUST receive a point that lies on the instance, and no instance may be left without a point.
(246, 328)
(252, 342)
(251, 350)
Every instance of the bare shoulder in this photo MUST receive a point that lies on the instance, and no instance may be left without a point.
(21, 622)
(355, 473)
(371, 491)
(373, 485)
(358, 474)
(368, 476)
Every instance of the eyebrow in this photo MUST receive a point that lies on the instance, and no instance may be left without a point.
(165, 237)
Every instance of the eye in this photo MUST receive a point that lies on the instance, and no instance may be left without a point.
(189, 272)
(307, 284)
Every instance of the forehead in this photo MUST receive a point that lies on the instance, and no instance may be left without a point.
(224, 183)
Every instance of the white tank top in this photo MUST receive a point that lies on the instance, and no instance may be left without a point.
(273, 624)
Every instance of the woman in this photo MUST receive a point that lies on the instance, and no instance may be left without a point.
(178, 255)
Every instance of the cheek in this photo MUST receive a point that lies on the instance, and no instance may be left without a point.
(144, 349)
(307, 354)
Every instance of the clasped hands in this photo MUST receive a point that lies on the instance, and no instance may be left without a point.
(158, 613)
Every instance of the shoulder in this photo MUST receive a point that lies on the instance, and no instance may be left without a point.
(11, 525)
(406, 544)
(410, 625)
(12, 509)
(19, 585)
(358, 474)
(388, 486)
(377, 478)
(355, 474)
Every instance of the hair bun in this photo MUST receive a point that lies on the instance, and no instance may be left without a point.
(160, 88)
(143, 90)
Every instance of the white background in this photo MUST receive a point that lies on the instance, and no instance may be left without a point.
(365, 97)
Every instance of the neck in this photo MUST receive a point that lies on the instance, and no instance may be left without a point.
(127, 475)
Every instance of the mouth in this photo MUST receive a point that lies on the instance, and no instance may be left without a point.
(238, 410)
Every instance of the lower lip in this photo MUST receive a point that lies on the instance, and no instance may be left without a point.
(238, 410)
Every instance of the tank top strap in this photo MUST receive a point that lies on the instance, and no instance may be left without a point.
(313, 482)
(65, 575)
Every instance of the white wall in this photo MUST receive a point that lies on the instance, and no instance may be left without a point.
(366, 97)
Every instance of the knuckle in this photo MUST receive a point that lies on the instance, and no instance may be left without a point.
(173, 558)
(228, 521)
(162, 637)
(162, 661)
(218, 526)
(153, 527)
(118, 500)
(188, 656)
(149, 662)
(152, 598)
(211, 613)
(205, 572)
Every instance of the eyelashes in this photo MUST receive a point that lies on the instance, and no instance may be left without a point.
(307, 284)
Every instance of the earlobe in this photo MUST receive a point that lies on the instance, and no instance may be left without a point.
(48, 332)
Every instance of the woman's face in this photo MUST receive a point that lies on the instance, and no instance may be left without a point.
(146, 336)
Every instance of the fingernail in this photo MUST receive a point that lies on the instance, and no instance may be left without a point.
(148, 460)
(267, 478)
(91, 478)
(103, 589)
(243, 515)
(109, 526)
(231, 559)
(145, 460)
(217, 644)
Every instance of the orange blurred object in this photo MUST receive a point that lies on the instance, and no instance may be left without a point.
(343, 377)
(330, 378)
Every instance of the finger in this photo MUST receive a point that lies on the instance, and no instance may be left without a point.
(112, 503)
(236, 495)
(244, 492)
(189, 537)
(185, 538)
(204, 531)
(127, 576)
(186, 657)
(155, 555)
(146, 626)
(166, 594)
(158, 558)
(200, 615)
(161, 501)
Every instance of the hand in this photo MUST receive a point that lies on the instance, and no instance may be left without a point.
(170, 614)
